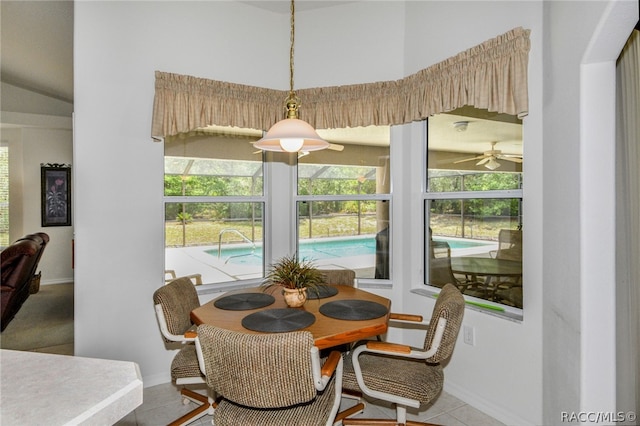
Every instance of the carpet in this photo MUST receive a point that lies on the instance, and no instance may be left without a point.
(44, 323)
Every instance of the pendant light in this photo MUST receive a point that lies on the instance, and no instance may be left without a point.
(291, 134)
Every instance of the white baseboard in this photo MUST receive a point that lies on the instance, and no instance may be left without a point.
(156, 379)
(476, 401)
(57, 281)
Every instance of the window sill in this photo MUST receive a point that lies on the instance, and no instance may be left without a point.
(224, 287)
(472, 303)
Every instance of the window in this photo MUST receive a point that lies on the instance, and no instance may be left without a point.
(343, 202)
(473, 206)
(214, 204)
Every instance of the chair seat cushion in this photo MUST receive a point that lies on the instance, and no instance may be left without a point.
(413, 379)
(315, 412)
(185, 363)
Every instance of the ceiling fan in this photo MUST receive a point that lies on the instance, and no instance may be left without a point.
(490, 158)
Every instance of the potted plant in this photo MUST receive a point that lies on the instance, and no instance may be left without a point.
(295, 277)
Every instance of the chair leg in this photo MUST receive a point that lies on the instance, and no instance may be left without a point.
(351, 411)
(207, 406)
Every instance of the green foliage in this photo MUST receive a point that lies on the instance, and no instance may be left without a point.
(184, 217)
(289, 272)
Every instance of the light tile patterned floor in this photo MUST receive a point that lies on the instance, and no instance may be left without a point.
(163, 404)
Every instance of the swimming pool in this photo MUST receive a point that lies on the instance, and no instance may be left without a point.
(324, 248)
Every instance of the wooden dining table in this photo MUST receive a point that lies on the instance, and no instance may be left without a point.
(327, 331)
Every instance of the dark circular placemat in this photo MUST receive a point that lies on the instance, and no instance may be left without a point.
(278, 320)
(322, 292)
(353, 309)
(244, 301)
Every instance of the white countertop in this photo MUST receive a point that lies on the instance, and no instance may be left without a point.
(38, 389)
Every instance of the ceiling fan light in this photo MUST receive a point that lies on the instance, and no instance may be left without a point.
(291, 135)
(492, 164)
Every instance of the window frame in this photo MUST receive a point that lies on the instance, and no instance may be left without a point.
(384, 197)
(263, 198)
(508, 312)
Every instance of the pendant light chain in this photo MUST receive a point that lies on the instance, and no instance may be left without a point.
(292, 39)
(292, 102)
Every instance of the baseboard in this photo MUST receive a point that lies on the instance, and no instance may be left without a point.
(58, 281)
(156, 379)
(476, 401)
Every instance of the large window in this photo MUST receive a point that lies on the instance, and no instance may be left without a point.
(214, 204)
(473, 206)
(217, 199)
(343, 203)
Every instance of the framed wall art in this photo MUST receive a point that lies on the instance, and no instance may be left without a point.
(56, 194)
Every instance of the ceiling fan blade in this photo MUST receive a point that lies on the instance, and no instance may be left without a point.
(469, 159)
(513, 159)
(336, 147)
(481, 162)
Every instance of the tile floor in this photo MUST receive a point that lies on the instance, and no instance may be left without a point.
(162, 404)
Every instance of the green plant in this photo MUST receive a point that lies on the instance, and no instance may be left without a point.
(184, 217)
(290, 272)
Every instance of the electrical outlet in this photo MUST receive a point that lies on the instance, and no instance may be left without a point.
(469, 335)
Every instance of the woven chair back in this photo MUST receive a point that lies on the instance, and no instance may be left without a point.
(339, 276)
(450, 306)
(177, 298)
(258, 370)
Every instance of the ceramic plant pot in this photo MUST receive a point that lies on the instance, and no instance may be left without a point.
(295, 297)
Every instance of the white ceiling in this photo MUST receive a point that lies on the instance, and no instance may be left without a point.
(37, 46)
(37, 54)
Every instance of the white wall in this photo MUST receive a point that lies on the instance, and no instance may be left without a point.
(118, 170)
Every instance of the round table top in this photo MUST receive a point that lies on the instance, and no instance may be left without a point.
(327, 332)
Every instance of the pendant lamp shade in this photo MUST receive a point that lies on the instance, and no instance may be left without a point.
(291, 135)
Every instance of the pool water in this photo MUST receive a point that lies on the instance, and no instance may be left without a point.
(321, 249)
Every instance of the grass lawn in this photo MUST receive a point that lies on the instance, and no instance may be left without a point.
(207, 232)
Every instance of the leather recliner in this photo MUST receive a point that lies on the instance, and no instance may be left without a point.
(19, 262)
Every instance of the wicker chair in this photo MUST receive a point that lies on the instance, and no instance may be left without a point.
(173, 304)
(403, 375)
(339, 276)
(270, 379)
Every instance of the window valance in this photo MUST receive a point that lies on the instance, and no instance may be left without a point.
(492, 76)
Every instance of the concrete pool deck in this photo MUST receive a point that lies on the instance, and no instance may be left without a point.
(196, 260)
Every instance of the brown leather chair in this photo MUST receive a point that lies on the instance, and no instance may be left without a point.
(19, 263)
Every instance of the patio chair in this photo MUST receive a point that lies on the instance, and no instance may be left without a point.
(440, 272)
(509, 245)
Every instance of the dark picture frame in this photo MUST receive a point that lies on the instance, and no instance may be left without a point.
(56, 194)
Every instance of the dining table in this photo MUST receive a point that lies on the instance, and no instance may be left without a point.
(335, 315)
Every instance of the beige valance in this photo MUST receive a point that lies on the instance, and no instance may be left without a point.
(492, 76)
